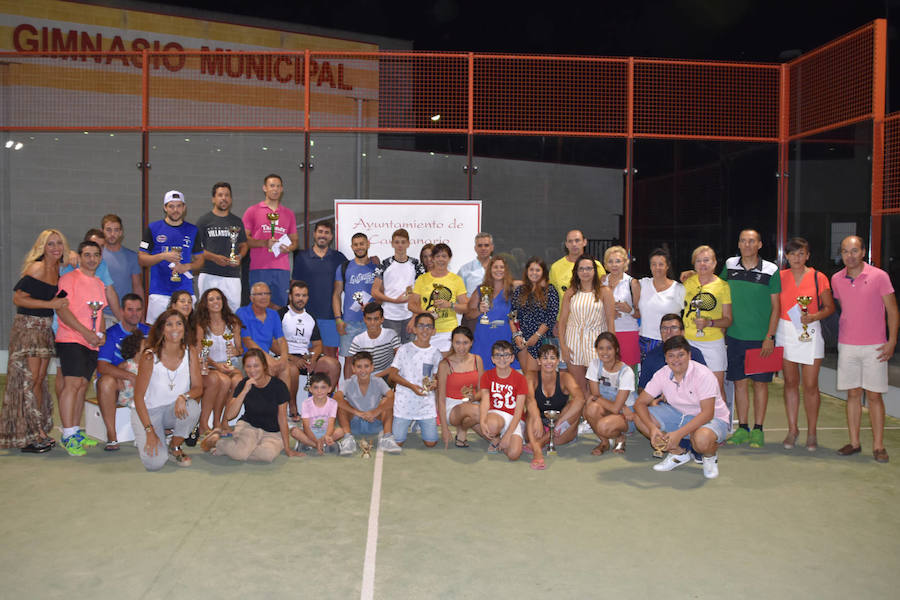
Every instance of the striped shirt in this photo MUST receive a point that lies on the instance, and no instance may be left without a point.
(382, 348)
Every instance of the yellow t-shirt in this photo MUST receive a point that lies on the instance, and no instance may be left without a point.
(561, 275)
(721, 292)
(424, 287)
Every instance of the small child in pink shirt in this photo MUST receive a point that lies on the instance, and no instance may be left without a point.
(319, 412)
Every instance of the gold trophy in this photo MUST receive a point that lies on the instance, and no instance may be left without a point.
(695, 304)
(366, 447)
(273, 219)
(409, 291)
(660, 444)
(429, 381)
(487, 293)
(804, 302)
(233, 232)
(95, 306)
(206, 344)
(307, 357)
(229, 347)
(176, 276)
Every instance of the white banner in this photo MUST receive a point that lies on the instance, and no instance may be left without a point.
(454, 223)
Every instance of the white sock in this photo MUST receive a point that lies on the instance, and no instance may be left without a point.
(69, 431)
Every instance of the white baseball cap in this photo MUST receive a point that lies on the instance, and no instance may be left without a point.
(173, 196)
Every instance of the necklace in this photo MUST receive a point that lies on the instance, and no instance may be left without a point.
(171, 378)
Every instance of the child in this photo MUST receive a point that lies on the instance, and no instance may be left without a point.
(414, 372)
(503, 393)
(381, 343)
(318, 412)
(366, 406)
(130, 347)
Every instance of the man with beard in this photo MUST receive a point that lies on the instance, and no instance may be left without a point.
(214, 229)
(270, 258)
(354, 280)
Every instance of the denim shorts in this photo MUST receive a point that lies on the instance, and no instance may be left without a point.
(354, 328)
(671, 419)
(429, 429)
(362, 427)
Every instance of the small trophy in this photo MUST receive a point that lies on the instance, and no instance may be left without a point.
(804, 302)
(659, 445)
(307, 357)
(366, 447)
(273, 219)
(429, 382)
(176, 276)
(468, 392)
(552, 416)
(233, 232)
(358, 298)
(228, 336)
(206, 344)
(487, 293)
(695, 304)
(409, 291)
(513, 317)
(95, 306)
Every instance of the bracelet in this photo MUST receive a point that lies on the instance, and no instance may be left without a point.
(518, 334)
(148, 428)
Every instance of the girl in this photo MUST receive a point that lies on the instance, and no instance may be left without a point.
(536, 303)
(319, 412)
(458, 377)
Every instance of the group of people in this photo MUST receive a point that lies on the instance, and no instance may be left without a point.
(581, 346)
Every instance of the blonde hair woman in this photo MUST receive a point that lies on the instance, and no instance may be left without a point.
(627, 294)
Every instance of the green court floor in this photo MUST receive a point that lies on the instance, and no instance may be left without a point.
(459, 524)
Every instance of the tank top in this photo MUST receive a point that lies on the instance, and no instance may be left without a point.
(39, 290)
(555, 402)
(456, 380)
(165, 385)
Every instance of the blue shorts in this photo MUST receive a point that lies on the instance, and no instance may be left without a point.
(278, 281)
(429, 429)
(736, 349)
(328, 331)
(354, 328)
(362, 427)
(670, 418)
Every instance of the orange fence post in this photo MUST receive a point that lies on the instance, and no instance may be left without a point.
(879, 86)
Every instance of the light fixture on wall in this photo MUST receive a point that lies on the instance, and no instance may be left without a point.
(435, 117)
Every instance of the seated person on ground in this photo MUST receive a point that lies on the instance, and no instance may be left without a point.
(414, 373)
(319, 412)
(365, 406)
(503, 393)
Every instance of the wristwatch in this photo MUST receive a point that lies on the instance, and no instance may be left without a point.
(770, 337)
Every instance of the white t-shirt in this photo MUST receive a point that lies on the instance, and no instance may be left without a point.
(382, 348)
(655, 304)
(623, 379)
(413, 363)
(622, 293)
(396, 277)
(300, 330)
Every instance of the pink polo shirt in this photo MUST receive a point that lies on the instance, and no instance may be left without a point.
(698, 384)
(863, 320)
(257, 226)
(80, 288)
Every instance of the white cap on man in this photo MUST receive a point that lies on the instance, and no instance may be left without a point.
(173, 196)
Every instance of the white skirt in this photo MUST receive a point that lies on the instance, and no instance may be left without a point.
(804, 353)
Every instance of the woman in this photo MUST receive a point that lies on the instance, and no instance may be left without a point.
(627, 294)
(181, 301)
(551, 390)
(707, 311)
(441, 293)
(425, 257)
(458, 376)
(536, 303)
(609, 407)
(799, 280)
(659, 296)
(262, 433)
(213, 318)
(498, 277)
(166, 393)
(27, 416)
(588, 309)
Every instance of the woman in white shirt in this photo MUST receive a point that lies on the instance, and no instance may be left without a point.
(627, 294)
(660, 296)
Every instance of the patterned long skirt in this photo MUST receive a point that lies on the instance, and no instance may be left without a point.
(24, 416)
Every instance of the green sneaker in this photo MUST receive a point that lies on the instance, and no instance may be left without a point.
(73, 446)
(740, 436)
(757, 439)
(85, 440)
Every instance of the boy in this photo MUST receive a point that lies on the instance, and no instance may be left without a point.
(503, 393)
(366, 406)
(319, 412)
(392, 278)
(414, 372)
(380, 342)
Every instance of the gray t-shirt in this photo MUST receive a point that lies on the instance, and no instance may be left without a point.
(377, 389)
(212, 233)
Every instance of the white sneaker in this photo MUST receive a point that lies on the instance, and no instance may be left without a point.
(584, 428)
(671, 461)
(347, 445)
(711, 466)
(387, 444)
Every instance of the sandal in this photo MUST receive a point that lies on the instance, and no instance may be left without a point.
(111, 446)
(538, 464)
(209, 440)
(493, 448)
(600, 448)
(812, 443)
(191, 440)
(790, 440)
(620, 445)
(177, 456)
(460, 443)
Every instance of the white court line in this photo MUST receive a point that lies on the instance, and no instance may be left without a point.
(368, 581)
(828, 428)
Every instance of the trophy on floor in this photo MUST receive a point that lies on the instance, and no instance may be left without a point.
(487, 293)
(273, 219)
(206, 346)
(176, 276)
(233, 232)
(95, 306)
(552, 416)
(804, 302)
(366, 447)
(229, 347)
(660, 444)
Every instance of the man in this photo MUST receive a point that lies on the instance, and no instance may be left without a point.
(866, 296)
(111, 375)
(214, 229)
(304, 343)
(365, 407)
(472, 272)
(669, 326)
(353, 280)
(169, 247)
(78, 339)
(122, 262)
(693, 409)
(270, 259)
(102, 273)
(262, 329)
(317, 266)
(561, 271)
(381, 343)
(393, 278)
(755, 307)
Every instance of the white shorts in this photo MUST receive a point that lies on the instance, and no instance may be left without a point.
(441, 341)
(507, 419)
(229, 286)
(450, 404)
(804, 353)
(157, 304)
(859, 367)
(713, 353)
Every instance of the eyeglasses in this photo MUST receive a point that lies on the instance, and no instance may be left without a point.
(672, 328)
(424, 326)
(503, 355)
(261, 294)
